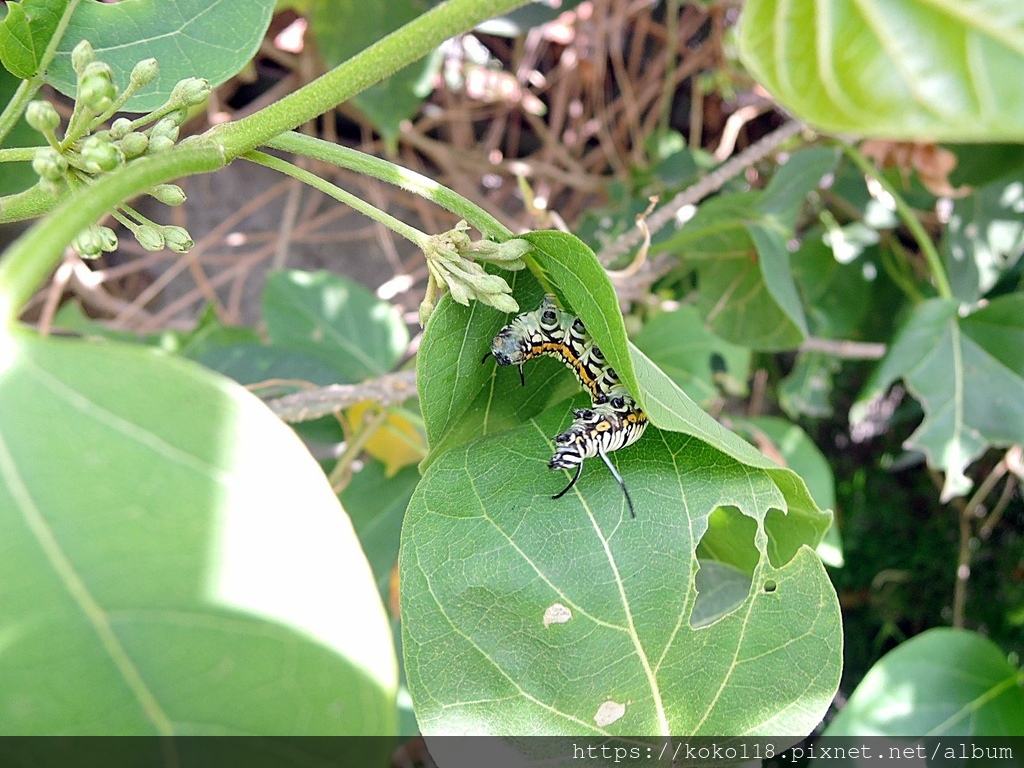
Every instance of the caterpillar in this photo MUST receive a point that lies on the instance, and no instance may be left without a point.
(613, 421)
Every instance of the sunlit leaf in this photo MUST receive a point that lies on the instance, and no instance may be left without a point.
(173, 560)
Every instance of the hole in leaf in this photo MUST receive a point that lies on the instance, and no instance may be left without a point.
(770, 586)
(727, 557)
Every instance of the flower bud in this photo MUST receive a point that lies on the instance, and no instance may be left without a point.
(82, 56)
(52, 187)
(42, 116)
(177, 239)
(88, 243)
(190, 91)
(98, 68)
(120, 128)
(108, 240)
(168, 194)
(144, 73)
(166, 127)
(99, 156)
(158, 144)
(49, 164)
(97, 93)
(150, 237)
(134, 144)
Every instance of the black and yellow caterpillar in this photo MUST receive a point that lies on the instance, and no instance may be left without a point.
(613, 421)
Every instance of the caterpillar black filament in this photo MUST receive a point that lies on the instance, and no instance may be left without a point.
(614, 421)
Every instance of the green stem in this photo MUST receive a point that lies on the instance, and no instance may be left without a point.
(909, 218)
(31, 258)
(403, 46)
(18, 154)
(409, 233)
(28, 88)
(360, 162)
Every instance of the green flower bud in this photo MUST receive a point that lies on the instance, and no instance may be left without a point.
(167, 127)
(168, 194)
(88, 243)
(97, 93)
(99, 156)
(49, 164)
(82, 56)
(190, 91)
(177, 239)
(144, 73)
(52, 187)
(42, 116)
(108, 240)
(177, 116)
(158, 144)
(134, 144)
(98, 68)
(120, 128)
(150, 237)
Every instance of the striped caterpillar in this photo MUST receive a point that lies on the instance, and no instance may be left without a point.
(613, 421)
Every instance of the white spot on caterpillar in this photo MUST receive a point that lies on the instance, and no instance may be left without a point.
(609, 712)
(556, 614)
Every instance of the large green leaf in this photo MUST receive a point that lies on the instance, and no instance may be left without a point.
(335, 318)
(213, 39)
(943, 682)
(968, 374)
(523, 614)
(910, 69)
(485, 551)
(25, 33)
(172, 560)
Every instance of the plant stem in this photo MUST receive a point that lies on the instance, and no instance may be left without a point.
(19, 154)
(412, 234)
(403, 46)
(28, 88)
(368, 165)
(909, 218)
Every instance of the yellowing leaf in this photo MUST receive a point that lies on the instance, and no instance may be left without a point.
(397, 442)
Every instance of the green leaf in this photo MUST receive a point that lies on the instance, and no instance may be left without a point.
(376, 503)
(26, 32)
(985, 237)
(486, 555)
(943, 682)
(173, 560)
(745, 286)
(336, 319)
(16, 177)
(212, 39)
(968, 374)
(680, 344)
(794, 180)
(906, 69)
(799, 453)
(807, 390)
(837, 296)
(345, 27)
(462, 398)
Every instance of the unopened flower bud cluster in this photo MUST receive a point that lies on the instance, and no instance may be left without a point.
(86, 151)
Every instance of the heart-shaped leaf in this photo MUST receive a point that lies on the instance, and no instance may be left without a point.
(26, 32)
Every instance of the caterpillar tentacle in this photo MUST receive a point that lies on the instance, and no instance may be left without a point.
(614, 420)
